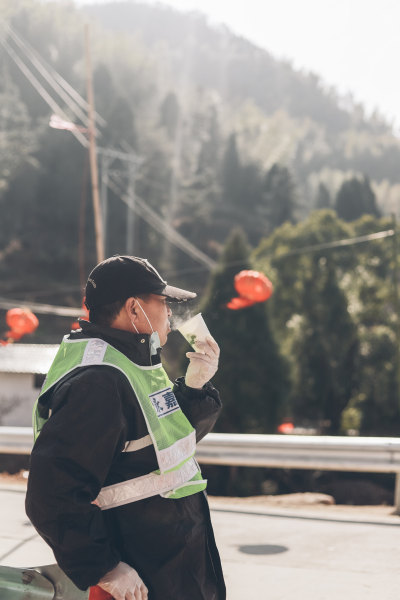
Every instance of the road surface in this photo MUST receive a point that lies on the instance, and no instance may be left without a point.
(268, 553)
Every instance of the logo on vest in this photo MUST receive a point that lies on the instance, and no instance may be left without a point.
(94, 352)
(164, 402)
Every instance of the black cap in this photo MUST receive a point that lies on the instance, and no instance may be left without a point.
(120, 277)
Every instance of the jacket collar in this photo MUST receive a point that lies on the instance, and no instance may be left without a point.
(135, 346)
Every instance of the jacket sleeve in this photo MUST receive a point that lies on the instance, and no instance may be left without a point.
(69, 464)
(201, 407)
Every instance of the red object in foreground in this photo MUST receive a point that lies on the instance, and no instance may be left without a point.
(285, 428)
(97, 593)
(20, 321)
(237, 303)
(252, 287)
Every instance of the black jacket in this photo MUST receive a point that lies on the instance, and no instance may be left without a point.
(94, 412)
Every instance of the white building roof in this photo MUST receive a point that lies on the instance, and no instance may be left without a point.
(27, 358)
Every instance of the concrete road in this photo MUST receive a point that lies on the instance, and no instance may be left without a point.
(267, 553)
(282, 554)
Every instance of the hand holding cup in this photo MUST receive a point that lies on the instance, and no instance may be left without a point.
(203, 364)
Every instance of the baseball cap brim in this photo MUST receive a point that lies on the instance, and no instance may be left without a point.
(174, 294)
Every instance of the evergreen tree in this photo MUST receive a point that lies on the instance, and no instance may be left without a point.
(252, 376)
(279, 195)
(325, 351)
(16, 135)
(356, 198)
(378, 387)
(169, 114)
(231, 170)
(121, 124)
(208, 158)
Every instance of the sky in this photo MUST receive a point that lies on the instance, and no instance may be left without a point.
(353, 45)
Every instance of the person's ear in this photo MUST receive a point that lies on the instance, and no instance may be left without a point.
(131, 308)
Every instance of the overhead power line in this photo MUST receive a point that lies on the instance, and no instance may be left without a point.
(140, 206)
(71, 97)
(145, 212)
(40, 89)
(44, 309)
(340, 243)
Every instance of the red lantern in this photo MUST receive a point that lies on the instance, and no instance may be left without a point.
(237, 303)
(20, 321)
(252, 287)
(285, 427)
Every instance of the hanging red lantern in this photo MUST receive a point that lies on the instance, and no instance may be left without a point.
(237, 303)
(20, 321)
(252, 287)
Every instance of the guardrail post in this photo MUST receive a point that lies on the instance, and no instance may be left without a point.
(397, 495)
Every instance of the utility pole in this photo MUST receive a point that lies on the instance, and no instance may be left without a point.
(98, 224)
(130, 163)
(130, 217)
(105, 165)
(396, 303)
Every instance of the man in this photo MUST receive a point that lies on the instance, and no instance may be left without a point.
(113, 486)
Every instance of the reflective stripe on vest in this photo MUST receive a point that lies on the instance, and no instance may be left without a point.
(134, 445)
(172, 435)
(146, 486)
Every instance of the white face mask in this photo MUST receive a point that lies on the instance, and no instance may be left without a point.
(155, 343)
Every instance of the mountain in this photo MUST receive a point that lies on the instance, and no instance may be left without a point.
(279, 114)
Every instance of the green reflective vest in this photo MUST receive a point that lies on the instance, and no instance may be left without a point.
(170, 432)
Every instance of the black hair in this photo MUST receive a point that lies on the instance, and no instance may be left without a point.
(105, 315)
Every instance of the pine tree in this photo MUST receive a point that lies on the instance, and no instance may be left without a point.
(325, 351)
(279, 195)
(169, 114)
(356, 198)
(208, 158)
(230, 176)
(252, 376)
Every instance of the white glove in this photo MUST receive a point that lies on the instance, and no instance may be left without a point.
(123, 583)
(202, 366)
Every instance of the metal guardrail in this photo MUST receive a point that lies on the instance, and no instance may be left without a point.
(325, 453)
(360, 454)
(380, 455)
(16, 440)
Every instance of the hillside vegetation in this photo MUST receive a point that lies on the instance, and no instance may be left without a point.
(225, 134)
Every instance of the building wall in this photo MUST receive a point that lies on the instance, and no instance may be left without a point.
(17, 397)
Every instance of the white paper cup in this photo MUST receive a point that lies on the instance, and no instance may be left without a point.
(194, 330)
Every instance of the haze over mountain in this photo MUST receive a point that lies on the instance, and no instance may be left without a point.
(322, 136)
(226, 136)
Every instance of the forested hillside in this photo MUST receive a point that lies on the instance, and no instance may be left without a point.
(279, 114)
(224, 135)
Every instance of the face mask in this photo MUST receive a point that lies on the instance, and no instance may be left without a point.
(154, 340)
(155, 343)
